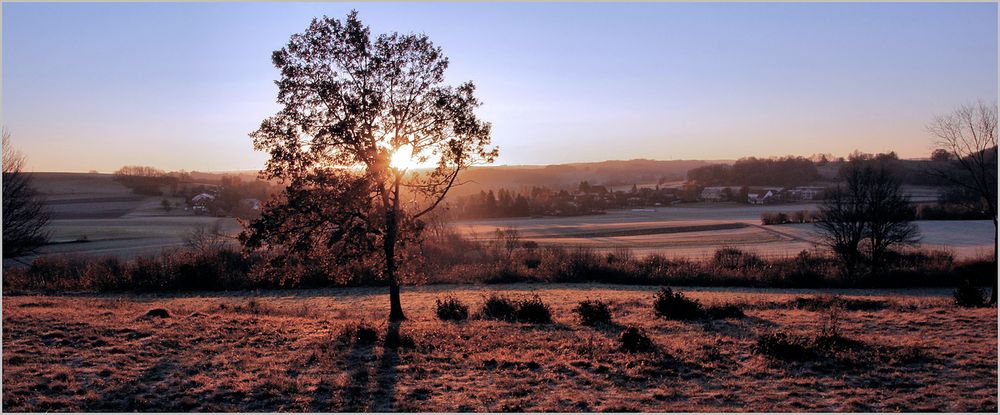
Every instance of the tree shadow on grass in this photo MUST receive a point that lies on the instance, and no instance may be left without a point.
(139, 395)
(372, 380)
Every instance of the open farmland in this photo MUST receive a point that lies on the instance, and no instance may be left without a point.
(697, 230)
(907, 350)
(95, 216)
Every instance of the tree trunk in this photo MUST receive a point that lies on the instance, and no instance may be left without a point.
(389, 246)
(994, 277)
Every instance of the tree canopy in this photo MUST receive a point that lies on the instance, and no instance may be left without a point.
(352, 103)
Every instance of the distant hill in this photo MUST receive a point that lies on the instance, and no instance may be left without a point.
(610, 173)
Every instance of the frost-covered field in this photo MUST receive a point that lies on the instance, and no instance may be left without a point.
(697, 231)
(95, 216)
(904, 350)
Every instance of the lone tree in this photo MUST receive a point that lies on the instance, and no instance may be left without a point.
(359, 113)
(24, 214)
(867, 216)
(969, 135)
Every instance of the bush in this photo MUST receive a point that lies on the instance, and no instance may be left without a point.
(106, 274)
(735, 259)
(725, 311)
(593, 313)
(452, 309)
(968, 295)
(773, 218)
(781, 346)
(532, 262)
(498, 307)
(533, 311)
(674, 305)
(634, 340)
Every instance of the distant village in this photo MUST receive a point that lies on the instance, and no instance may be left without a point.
(588, 199)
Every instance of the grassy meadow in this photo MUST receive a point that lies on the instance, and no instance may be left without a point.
(904, 350)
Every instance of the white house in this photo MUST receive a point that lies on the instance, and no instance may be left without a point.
(759, 199)
(202, 199)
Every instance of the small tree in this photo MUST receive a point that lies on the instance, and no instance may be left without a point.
(867, 216)
(166, 206)
(841, 221)
(24, 213)
(888, 215)
(940, 154)
(969, 135)
(357, 112)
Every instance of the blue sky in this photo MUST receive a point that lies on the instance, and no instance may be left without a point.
(179, 86)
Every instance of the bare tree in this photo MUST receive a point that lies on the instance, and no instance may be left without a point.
(207, 239)
(969, 134)
(24, 213)
(841, 221)
(357, 113)
(888, 215)
(867, 216)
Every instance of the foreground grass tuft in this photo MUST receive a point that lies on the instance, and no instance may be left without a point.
(968, 295)
(593, 312)
(498, 307)
(451, 309)
(635, 340)
(674, 305)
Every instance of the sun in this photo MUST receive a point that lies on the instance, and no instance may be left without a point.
(402, 158)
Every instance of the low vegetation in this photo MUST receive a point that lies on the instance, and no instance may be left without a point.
(635, 340)
(219, 267)
(593, 312)
(530, 310)
(968, 295)
(497, 307)
(331, 350)
(673, 305)
(451, 309)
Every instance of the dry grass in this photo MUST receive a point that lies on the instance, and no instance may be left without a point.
(284, 351)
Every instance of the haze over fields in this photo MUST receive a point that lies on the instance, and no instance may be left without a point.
(96, 216)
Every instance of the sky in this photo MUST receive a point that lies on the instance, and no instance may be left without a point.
(180, 86)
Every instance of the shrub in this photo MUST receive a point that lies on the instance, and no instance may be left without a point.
(773, 218)
(56, 272)
(725, 311)
(968, 295)
(781, 346)
(533, 311)
(735, 259)
(106, 274)
(593, 313)
(532, 262)
(674, 305)
(506, 274)
(634, 339)
(498, 307)
(452, 309)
